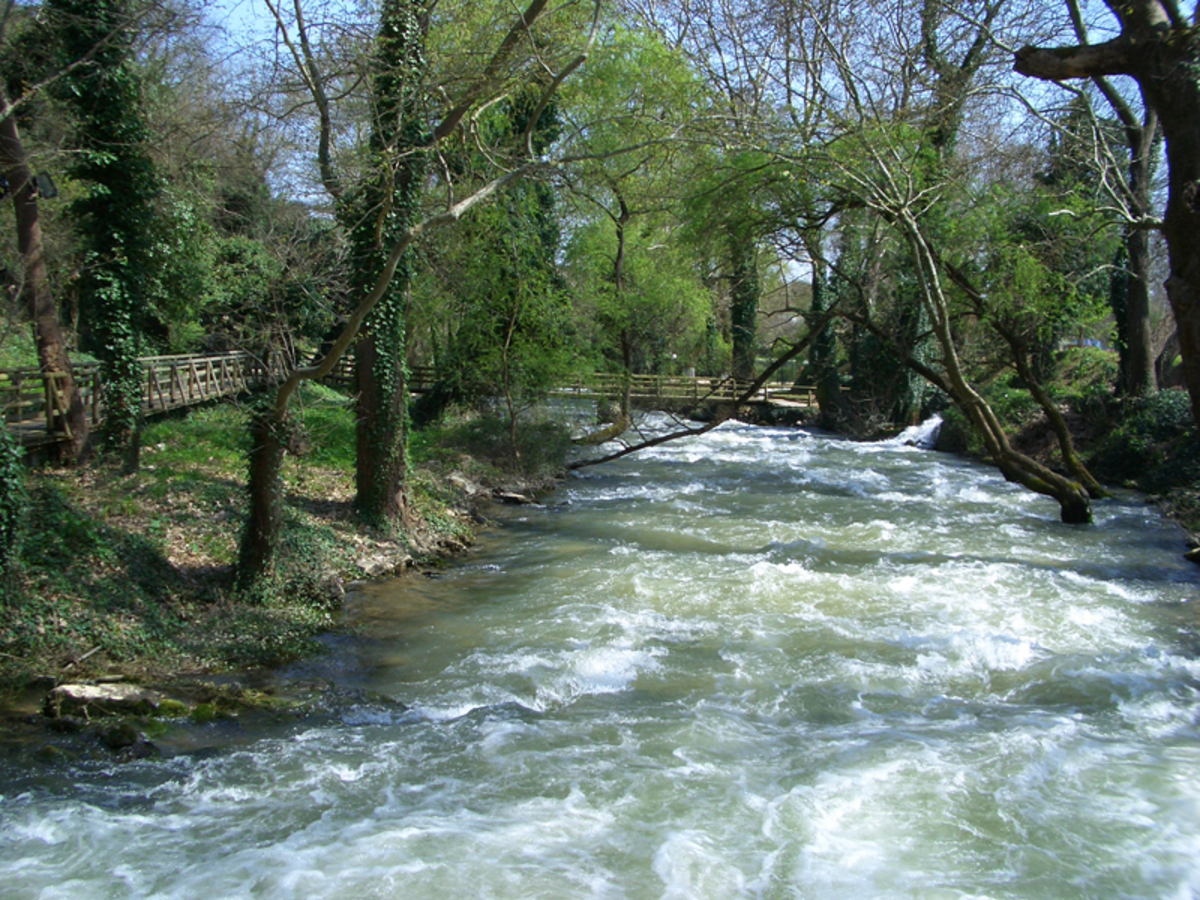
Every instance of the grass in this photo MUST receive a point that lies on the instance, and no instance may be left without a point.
(132, 574)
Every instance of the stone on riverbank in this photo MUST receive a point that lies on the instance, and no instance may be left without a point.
(90, 700)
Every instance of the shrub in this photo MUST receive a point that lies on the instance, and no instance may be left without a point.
(13, 501)
(1154, 445)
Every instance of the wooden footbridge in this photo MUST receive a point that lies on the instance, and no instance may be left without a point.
(33, 405)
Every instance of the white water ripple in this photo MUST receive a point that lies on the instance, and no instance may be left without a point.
(763, 663)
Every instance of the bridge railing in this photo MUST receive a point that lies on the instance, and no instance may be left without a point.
(34, 403)
(686, 387)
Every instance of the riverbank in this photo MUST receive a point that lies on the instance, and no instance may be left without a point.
(128, 578)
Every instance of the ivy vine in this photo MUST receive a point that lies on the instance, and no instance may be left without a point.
(115, 214)
(13, 502)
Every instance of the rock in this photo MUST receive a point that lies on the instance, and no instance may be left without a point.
(50, 755)
(119, 736)
(511, 497)
(331, 586)
(1193, 556)
(172, 708)
(204, 713)
(89, 700)
(380, 565)
(460, 481)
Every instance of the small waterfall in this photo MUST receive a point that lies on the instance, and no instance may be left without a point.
(923, 436)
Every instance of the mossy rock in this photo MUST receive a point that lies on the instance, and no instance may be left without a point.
(205, 712)
(172, 709)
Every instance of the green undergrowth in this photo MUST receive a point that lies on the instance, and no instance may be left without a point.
(132, 574)
(1151, 444)
(484, 445)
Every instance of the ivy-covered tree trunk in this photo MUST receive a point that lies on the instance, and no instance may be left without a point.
(744, 293)
(381, 466)
(13, 502)
(35, 285)
(382, 208)
(115, 213)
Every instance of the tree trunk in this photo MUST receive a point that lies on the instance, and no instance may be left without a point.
(744, 292)
(381, 436)
(256, 557)
(388, 203)
(822, 354)
(1138, 366)
(1058, 422)
(35, 285)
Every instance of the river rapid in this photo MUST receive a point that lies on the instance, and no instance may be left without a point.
(761, 663)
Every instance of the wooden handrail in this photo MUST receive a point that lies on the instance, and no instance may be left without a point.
(33, 404)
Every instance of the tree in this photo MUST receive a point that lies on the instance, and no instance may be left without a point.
(272, 424)
(1136, 343)
(490, 299)
(35, 284)
(115, 214)
(378, 209)
(1160, 48)
(901, 165)
(18, 40)
(637, 93)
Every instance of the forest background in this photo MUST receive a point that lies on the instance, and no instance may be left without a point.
(969, 209)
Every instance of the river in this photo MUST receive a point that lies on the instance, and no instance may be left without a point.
(761, 663)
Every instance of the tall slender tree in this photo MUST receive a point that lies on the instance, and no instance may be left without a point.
(114, 216)
(35, 284)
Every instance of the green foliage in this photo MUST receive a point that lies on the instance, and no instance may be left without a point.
(121, 577)
(1042, 259)
(1086, 378)
(185, 269)
(512, 331)
(542, 446)
(13, 502)
(1013, 405)
(663, 312)
(1154, 446)
(327, 419)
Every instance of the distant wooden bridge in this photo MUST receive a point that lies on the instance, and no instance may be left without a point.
(684, 388)
(641, 387)
(34, 406)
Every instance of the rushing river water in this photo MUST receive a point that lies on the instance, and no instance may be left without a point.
(763, 663)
